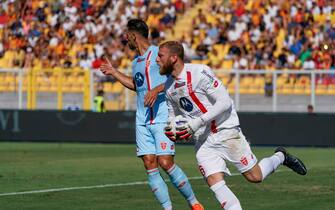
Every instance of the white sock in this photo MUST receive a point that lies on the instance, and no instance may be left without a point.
(270, 164)
(225, 196)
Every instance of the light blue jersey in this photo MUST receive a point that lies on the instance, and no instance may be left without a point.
(146, 76)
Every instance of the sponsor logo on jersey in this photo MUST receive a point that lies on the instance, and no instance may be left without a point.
(210, 77)
(186, 104)
(172, 147)
(163, 145)
(140, 60)
(181, 184)
(179, 84)
(244, 161)
(173, 93)
(139, 79)
(202, 171)
(216, 83)
(195, 113)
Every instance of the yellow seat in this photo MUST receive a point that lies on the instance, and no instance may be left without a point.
(77, 88)
(224, 80)
(321, 89)
(307, 89)
(43, 88)
(81, 80)
(108, 87)
(11, 88)
(231, 88)
(244, 89)
(287, 89)
(259, 80)
(3, 87)
(331, 89)
(255, 88)
(299, 89)
(112, 105)
(227, 64)
(10, 78)
(66, 88)
(53, 88)
(117, 88)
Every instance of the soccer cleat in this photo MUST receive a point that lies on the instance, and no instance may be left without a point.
(292, 162)
(198, 206)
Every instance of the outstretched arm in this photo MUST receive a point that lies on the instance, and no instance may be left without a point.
(108, 69)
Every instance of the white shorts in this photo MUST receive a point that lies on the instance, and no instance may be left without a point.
(228, 144)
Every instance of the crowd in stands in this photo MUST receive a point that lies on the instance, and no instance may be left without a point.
(76, 33)
(264, 34)
(229, 34)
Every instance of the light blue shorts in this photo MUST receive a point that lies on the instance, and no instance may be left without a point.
(150, 139)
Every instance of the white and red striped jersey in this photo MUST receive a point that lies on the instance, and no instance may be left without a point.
(197, 92)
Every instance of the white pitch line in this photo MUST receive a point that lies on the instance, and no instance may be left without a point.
(98, 186)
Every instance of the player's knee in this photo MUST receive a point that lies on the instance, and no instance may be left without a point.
(165, 163)
(150, 162)
(214, 178)
(254, 178)
(254, 175)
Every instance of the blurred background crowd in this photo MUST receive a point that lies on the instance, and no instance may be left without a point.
(228, 34)
(265, 34)
(76, 33)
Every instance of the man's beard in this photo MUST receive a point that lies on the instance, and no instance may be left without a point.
(167, 68)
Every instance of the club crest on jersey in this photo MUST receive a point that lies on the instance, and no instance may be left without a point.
(186, 104)
(163, 145)
(244, 161)
(139, 79)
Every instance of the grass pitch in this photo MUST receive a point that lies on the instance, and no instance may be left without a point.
(36, 166)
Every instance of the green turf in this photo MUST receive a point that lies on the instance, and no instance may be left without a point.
(32, 166)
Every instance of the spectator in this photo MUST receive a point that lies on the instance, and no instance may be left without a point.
(310, 109)
(75, 30)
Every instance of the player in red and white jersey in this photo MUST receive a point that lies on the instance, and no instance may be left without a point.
(192, 94)
(193, 91)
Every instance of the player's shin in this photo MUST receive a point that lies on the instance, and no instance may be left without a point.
(180, 181)
(270, 164)
(225, 196)
(159, 188)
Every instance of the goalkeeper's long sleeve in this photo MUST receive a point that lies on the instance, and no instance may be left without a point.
(222, 107)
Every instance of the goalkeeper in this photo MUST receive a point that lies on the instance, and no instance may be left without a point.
(193, 91)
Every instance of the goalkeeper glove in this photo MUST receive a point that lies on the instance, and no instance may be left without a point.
(169, 132)
(186, 131)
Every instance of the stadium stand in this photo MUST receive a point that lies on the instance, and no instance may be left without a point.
(266, 35)
(72, 35)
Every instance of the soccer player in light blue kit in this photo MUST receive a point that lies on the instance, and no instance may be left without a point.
(153, 146)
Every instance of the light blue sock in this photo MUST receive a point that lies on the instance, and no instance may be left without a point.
(180, 181)
(159, 188)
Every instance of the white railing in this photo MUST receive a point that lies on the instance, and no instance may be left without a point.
(275, 73)
(130, 101)
(20, 73)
